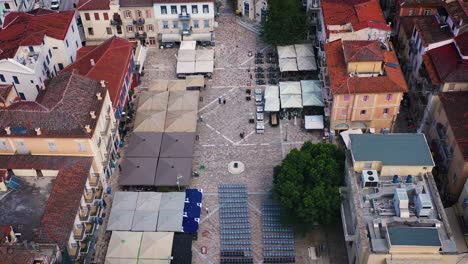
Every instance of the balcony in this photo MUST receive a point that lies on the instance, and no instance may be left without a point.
(73, 250)
(116, 20)
(84, 213)
(84, 247)
(139, 21)
(89, 196)
(184, 16)
(140, 35)
(99, 192)
(90, 228)
(95, 209)
(78, 232)
(93, 179)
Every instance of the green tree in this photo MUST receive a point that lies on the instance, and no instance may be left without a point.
(306, 184)
(285, 24)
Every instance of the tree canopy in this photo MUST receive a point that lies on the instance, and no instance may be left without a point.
(306, 183)
(285, 24)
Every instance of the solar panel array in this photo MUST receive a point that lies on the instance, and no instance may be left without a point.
(278, 240)
(236, 244)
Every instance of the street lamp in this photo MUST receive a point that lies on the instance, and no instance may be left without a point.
(178, 183)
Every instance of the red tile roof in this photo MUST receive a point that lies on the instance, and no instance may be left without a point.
(62, 110)
(134, 3)
(93, 5)
(360, 13)
(4, 232)
(84, 50)
(342, 83)
(111, 60)
(407, 23)
(432, 32)
(447, 65)
(462, 43)
(455, 105)
(180, 1)
(5, 91)
(62, 206)
(29, 29)
(355, 51)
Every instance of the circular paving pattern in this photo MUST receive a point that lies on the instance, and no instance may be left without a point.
(236, 167)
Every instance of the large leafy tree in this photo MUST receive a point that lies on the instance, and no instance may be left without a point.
(285, 24)
(306, 184)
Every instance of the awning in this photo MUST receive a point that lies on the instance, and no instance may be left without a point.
(138, 171)
(185, 67)
(195, 81)
(169, 169)
(288, 64)
(286, 51)
(271, 91)
(272, 104)
(313, 122)
(205, 55)
(311, 86)
(152, 101)
(190, 45)
(177, 145)
(199, 37)
(341, 126)
(181, 121)
(186, 55)
(183, 100)
(204, 66)
(312, 99)
(159, 85)
(306, 63)
(359, 125)
(176, 85)
(141, 56)
(304, 50)
(290, 88)
(171, 37)
(144, 144)
(291, 101)
(345, 135)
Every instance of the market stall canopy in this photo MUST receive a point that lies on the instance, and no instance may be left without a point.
(148, 201)
(345, 135)
(311, 86)
(176, 85)
(171, 168)
(186, 55)
(313, 122)
(288, 65)
(306, 63)
(124, 201)
(120, 220)
(185, 67)
(205, 55)
(204, 66)
(156, 245)
(144, 144)
(291, 101)
(181, 121)
(124, 244)
(170, 38)
(149, 101)
(171, 212)
(199, 37)
(159, 85)
(304, 50)
(271, 91)
(183, 100)
(144, 221)
(195, 81)
(149, 121)
(286, 51)
(188, 45)
(290, 88)
(312, 99)
(138, 171)
(140, 57)
(272, 104)
(177, 145)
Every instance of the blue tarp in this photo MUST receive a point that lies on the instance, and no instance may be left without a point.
(192, 210)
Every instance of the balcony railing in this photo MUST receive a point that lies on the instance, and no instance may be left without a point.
(184, 16)
(84, 213)
(140, 35)
(89, 196)
(73, 250)
(78, 232)
(93, 179)
(99, 192)
(139, 21)
(84, 247)
(95, 209)
(116, 22)
(90, 228)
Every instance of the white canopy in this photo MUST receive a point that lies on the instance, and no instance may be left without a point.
(186, 55)
(171, 212)
(291, 101)
(311, 86)
(288, 64)
(304, 50)
(312, 99)
(195, 81)
(189, 44)
(205, 55)
(286, 51)
(345, 135)
(204, 66)
(272, 104)
(306, 63)
(171, 37)
(290, 88)
(271, 91)
(144, 221)
(124, 244)
(148, 201)
(124, 200)
(199, 37)
(156, 245)
(313, 122)
(120, 220)
(184, 67)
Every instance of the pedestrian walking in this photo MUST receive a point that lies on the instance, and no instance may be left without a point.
(207, 211)
(219, 100)
(224, 100)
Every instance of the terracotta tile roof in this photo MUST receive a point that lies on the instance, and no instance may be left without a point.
(4, 232)
(29, 29)
(447, 64)
(415, 3)
(62, 206)
(132, 3)
(180, 1)
(5, 91)
(62, 110)
(432, 32)
(93, 5)
(462, 43)
(84, 50)
(360, 13)
(362, 51)
(342, 83)
(455, 105)
(458, 11)
(111, 60)
(407, 23)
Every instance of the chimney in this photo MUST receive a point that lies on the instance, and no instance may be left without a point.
(99, 97)
(93, 114)
(103, 83)
(38, 131)
(88, 129)
(92, 62)
(8, 130)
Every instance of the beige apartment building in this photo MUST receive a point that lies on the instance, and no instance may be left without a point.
(73, 116)
(138, 21)
(101, 20)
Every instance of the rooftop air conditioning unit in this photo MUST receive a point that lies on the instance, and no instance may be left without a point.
(401, 201)
(370, 178)
(423, 204)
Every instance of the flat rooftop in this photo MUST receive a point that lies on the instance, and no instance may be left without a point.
(411, 236)
(23, 209)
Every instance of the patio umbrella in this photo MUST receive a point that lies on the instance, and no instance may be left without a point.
(183, 100)
(150, 101)
(124, 244)
(181, 121)
(149, 121)
(177, 145)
